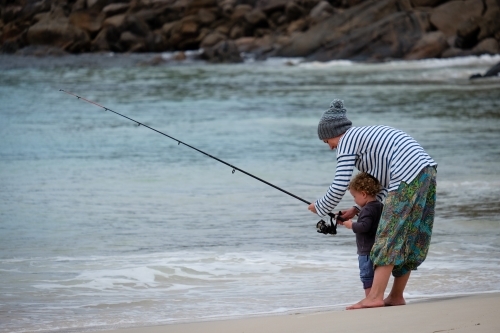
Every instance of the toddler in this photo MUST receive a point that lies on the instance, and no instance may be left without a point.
(364, 188)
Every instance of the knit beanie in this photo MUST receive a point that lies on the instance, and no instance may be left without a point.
(333, 122)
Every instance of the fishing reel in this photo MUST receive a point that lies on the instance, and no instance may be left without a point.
(331, 228)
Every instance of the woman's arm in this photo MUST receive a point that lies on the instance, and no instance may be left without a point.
(343, 173)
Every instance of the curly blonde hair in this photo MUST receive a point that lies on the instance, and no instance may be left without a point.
(364, 182)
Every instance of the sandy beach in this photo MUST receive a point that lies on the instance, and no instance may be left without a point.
(471, 313)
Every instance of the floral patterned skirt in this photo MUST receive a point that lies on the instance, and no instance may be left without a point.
(405, 228)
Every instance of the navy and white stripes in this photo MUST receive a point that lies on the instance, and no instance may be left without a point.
(386, 153)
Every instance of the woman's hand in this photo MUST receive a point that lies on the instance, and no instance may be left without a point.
(312, 208)
(349, 213)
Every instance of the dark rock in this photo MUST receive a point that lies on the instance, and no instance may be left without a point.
(195, 5)
(204, 32)
(321, 11)
(99, 5)
(14, 30)
(450, 15)
(156, 43)
(426, 3)
(492, 72)
(136, 26)
(490, 23)
(475, 76)
(389, 38)
(240, 11)
(206, 16)
(155, 61)
(347, 26)
(188, 44)
(212, 39)
(153, 17)
(278, 19)
(223, 52)
(56, 31)
(41, 51)
(263, 47)
(31, 8)
(11, 13)
(297, 26)
(78, 5)
(116, 21)
(100, 42)
(351, 3)
(89, 21)
(293, 11)
(256, 18)
(10, 46)
(467, 33)
(226, 6)
(115, 9)
(246, 44)
(171, 27)
(189, 26)
(487, 46)
(261, 32)
(269, 6)
(431, 45)
(132, 42)
(224, 28)
(455, 52)
(236, 32)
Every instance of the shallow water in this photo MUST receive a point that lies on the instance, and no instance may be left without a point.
(105, 224)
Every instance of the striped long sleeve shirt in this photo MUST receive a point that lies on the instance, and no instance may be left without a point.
(386, 153)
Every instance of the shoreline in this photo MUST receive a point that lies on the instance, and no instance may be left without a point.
(459, 313)
(168, 59)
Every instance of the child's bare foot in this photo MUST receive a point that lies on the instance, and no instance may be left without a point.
(366, 303)
(394, 301)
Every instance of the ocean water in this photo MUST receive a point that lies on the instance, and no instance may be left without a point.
(104, 224)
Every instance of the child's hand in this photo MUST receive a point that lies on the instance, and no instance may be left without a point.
(348, 224)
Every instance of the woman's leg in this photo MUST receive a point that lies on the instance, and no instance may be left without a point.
(403, 238)
(376, 296)
(395, 297)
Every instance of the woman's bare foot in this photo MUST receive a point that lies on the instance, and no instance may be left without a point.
(367, 303)
(394, 301)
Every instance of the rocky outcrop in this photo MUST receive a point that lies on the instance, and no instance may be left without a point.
(365, 30)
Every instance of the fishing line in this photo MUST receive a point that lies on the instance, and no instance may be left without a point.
(179, 142)
(321, 226)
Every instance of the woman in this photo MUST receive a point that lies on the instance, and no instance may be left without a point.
(408, 177)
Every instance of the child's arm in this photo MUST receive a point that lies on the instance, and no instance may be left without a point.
(364, 222)
(348, 224)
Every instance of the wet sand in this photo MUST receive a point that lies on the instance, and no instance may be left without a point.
(472, 313)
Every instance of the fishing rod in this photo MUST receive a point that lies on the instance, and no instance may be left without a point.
(321, 225)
